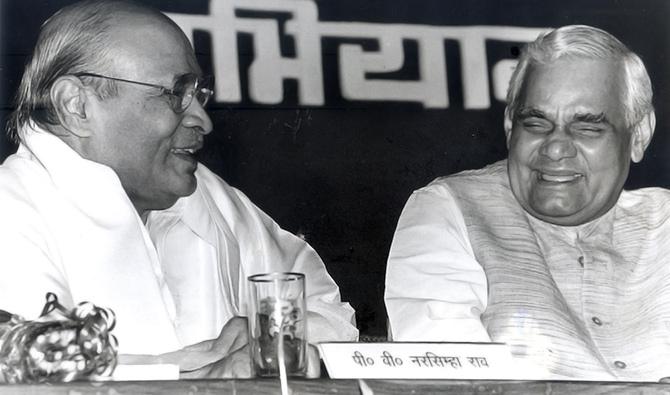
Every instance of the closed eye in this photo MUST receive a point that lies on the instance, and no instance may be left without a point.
(537, 125)
(589, 129)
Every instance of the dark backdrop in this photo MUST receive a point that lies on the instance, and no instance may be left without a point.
(339, 172)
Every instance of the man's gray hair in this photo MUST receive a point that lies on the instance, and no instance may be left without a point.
(586, 42)
(73, 40)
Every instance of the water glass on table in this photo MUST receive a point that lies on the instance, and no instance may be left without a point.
(277, 324)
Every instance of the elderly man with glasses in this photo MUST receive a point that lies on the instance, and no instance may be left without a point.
(105, 202)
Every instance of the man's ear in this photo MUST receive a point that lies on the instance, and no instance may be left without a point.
(68, 96)
(508, 126)
(642, 133)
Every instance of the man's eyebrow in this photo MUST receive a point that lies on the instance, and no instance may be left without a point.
(529, 112)
(590, 118)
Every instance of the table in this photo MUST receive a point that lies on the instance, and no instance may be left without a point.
(327, 386)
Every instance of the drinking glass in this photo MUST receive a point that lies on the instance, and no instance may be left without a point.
(277, 324)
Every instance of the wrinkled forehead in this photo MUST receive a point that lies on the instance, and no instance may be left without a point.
(583, 89)
(150, 42)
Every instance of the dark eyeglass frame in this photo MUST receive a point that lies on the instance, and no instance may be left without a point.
(201, 89)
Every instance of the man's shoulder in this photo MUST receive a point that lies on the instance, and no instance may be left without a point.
(494, 171)
(650, 197)
(22, 187)
(212, 184)
(224, 204)
(478, 179)
(216, 196)
(209, 179)
(14, 180)
(643, 216)
(645, 208)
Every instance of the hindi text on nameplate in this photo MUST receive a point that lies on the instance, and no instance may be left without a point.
(409, 360)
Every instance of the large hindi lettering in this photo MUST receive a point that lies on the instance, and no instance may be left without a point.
(430, 89)
(269, 68)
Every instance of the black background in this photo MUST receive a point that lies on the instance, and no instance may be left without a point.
(340, 173)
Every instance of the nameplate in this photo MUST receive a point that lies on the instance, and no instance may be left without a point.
(419, 361)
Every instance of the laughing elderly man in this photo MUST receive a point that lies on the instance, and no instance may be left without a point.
(545, 251)
(104, 201)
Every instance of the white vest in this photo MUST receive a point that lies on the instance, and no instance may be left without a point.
(527, 310)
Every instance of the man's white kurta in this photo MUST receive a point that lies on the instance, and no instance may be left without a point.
(68, 227)
(467, 263)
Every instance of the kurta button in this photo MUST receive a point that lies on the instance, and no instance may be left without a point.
(620, 364)
(597, 321)
(581, 261)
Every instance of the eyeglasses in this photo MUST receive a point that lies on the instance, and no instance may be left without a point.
(181, 95)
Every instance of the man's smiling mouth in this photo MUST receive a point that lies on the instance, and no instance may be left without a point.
(559, 178)
(184, 151)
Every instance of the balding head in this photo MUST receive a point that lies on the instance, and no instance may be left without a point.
(77, 39)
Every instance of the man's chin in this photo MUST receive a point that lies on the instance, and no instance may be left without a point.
(186, 187)
(164, 194)
(560, 215)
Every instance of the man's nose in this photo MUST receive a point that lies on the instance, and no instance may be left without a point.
(559, 145)
(196, 117)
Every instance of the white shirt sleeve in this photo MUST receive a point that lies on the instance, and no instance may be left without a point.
(265, 247)
(330, 319)
(435, 288)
